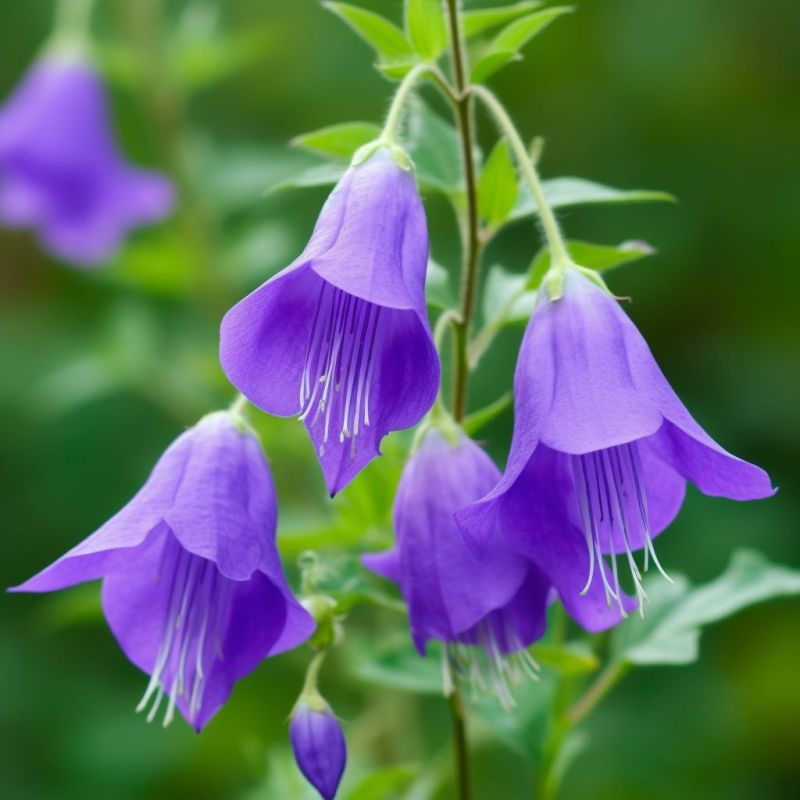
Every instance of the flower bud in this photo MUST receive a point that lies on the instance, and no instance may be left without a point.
(319, 747)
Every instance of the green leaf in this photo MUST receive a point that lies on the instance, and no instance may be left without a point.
(318, 175)
(339, 141)
(433, 145)
(562, 192)
(383, 783)
(497, 186)
(599, 257)
(506, 45)
(676, 614)
(479, 419)
(438, 287)
(425, 27)
(571, 658)
(506, 295)
(483, 19)
(383, 36)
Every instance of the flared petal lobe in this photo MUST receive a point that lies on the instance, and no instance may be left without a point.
(319, 748)
(193, 588)
(60, 170)
(341, 336)
(448, 591)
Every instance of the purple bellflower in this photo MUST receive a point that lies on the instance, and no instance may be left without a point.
(601, 453)
(60, 170)
(486, 611)
(193, 588)
(318, 745)
(341, 336)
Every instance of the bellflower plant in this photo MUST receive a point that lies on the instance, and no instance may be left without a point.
(601, 452)
(486, 611)
(61, 172)
(489, 568)
(341, 336)
(193, 588)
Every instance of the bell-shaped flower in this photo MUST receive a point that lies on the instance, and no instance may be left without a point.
(318, 745)
(61, 172)
(341, 337)
(193, 588)
(601, 453)
(487, 611)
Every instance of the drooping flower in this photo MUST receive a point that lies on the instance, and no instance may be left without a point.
(61, 172)
(601, 453)
(341, 337)
(193, 588)
(319, 746)
(487, 611)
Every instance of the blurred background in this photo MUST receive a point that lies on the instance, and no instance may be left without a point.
(101, 369)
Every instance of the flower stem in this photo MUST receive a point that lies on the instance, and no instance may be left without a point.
(558, 250)
(460, 749)
(395, 115)
(471, 240)
(602, 685)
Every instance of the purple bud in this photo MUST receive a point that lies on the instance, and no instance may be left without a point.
(319, 748)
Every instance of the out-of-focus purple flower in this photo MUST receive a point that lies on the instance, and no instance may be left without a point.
(497, 603)
(60, 170)
(600, 456)
(193, 588)
(319, 746)
(341, 336)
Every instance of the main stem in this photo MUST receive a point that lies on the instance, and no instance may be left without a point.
(558, 250)
(73, 17)
(471, 242)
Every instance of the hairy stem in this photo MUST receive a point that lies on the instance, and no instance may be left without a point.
(471, 243)
(602, 685)
(395, 114)
(560, 256)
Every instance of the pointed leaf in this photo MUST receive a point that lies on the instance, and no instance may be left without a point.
(383, 36)
(497, 186)
(479, 419)
(339, 141)
(483, 19)
(425, 27)
(318, 175)
(506, 45)
(384, 783)
(562, 192)
(675, 615)
(438, 287)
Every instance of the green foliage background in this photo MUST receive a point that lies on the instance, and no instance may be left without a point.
(101, 369)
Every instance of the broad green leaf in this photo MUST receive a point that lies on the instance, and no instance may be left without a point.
(438, 286)
(562, 192)
(384, 783)
(339, 141)
(433, 145)
(506, 295)
(497, 186)
(479, 419)
(675, 615)
(571, 658)
(318, 175)
(599, 257)
(425, 27)
(506, 45)
(383, 36)
(483, 19)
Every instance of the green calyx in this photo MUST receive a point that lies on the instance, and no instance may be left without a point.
(396, 152)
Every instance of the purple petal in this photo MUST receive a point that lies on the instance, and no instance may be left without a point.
(319, 749)
(534, 516)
